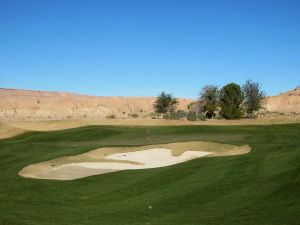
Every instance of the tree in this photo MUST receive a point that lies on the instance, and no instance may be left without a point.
(231, 99)
(210, 95)
(254, 96)
(165, 103)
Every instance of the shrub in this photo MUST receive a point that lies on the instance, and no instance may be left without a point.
(220, 117)
(152, 115)
(180, 114)
(111, 117)
(191, 116)
(133, 115)
(201, 117)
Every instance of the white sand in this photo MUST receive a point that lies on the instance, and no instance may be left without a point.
(151, 158)
(157, 157)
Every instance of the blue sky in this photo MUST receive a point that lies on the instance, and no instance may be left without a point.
(139, 48)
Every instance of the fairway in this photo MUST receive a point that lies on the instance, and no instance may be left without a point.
(260, 187)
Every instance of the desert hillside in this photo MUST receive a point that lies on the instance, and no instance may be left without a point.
(26, 104)
(287, 103)
(40, 105)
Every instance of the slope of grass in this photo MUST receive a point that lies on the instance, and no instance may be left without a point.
(262, 187)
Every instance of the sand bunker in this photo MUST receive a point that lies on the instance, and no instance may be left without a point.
(107, 160)
(151, 158)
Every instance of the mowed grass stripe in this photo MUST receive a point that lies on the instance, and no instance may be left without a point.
(261, 187)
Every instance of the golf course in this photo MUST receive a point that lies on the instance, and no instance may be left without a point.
(258, 187)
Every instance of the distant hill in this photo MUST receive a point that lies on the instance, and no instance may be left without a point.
(25, 104)
(284, 103)
(18, 104)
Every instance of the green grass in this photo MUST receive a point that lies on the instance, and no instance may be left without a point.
(262, 187)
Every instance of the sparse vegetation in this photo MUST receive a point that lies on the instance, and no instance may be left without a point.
(133, 115)
(152, 115)
(194, 116)
(181, 114)
(112, 116)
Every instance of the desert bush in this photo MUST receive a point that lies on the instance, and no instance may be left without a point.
(111, 117)
(175, 115)
(201, 116)
(181, 114)
(192, 116)
(152, 115)
(134, 115)
(220, 117)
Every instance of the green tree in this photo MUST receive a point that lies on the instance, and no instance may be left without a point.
(254, 96)
(165, 104)
(210, 96)
(231, 99)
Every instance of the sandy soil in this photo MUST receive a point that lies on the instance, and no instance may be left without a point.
(7, 131)
(286, 102)
(12, 128)
(19, 104)
(104, 160)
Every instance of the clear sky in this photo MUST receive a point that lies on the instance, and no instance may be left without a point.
(139, 48)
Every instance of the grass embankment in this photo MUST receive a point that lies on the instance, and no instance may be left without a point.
(262, 187)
